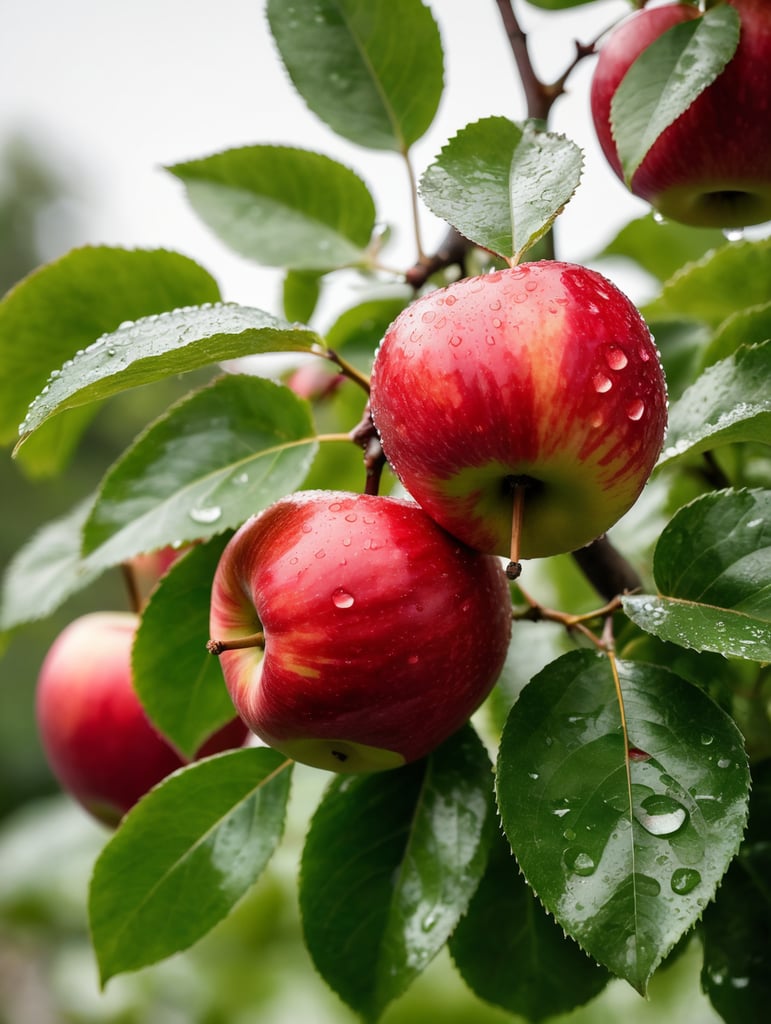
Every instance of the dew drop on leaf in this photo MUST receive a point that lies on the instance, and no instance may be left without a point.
(684, 880)
(206, 515)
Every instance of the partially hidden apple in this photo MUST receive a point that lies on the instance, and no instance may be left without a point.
(99, 743)
(354, 634)
(712, 166)
(524, 409)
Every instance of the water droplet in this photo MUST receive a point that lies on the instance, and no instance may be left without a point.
(497, 322)
(580, 862)
(495, 305)
(413, 659)
(733, 234)
(661, 815)
(643, 353)
(706, 738)
(429, 921)
(531, 286)
(616, 357)
(456, 340)
(658, 218)
(241, 479)
(635, 409)
(342, 599)
(428, 317)
(335, 506)
(351, 517)
(294, 560)
(753, 523)
(597, 420)
(450, 299)
(321, 553)
(684, 880)
(724, 762)
(206, 515)
(569, 834)
(533, 775)
(739, 982)
(602, 384)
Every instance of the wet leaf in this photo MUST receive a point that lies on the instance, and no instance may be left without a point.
(371, 69)
(159, 346)
(281, 206)
(502, 184)
(184, 855)
(216, 458)
(179, 683)
(624, 846)
(390, 863)
(509, 951)
(729, 402)
(666, 78)
(713, 571)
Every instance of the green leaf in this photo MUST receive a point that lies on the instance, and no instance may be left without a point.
(735, 927)
(666, 78)
(725, 280)
(179, 683)
(624, 850)
(390, 863)
(744, 327)
(509, 951)
(300, 294)
(371, 69)
(712, 565)
(281, 206)
(63, 306)
(361, 328)
(559, 5)
(502, 184)
(211, 462)
(47, 571)
(729, 402)
(162, 345)
(184, 855)
(662, 248)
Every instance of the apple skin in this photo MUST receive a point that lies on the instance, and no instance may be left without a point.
(98, 741)
(382, 633)
(543, 374)
(712, 166)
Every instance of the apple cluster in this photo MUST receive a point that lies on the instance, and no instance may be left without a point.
(712, 166)
(523, 412)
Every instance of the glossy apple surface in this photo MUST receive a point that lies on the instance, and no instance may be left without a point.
(543, 376)
(382, 634)
(712, 166)
(95, 734)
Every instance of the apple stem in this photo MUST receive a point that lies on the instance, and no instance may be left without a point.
(218, 646)
(514, 568)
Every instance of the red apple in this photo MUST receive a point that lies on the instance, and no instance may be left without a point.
(712, 166)
(147, 569)
(99, 743)
(354, 634)
(539, 383)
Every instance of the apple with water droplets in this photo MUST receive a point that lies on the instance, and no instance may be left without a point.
(354, 634)
(712, 166)
(99, 743)
(524, 409)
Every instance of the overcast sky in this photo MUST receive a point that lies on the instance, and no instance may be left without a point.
(115, 91)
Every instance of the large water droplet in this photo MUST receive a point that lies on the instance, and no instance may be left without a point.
(615, 357)
(602, 384)
(206, 515)
(661, 815)
(733, 234)
(429, 921)
(342, 599)
(635, 409)
(580, 862)
(684, 880)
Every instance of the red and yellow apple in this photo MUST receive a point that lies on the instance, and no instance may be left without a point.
(354, 634)
(541, 382)
(97, 738)
(712, 166)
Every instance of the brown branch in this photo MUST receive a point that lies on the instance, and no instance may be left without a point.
(606, 569)
(451, 252)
